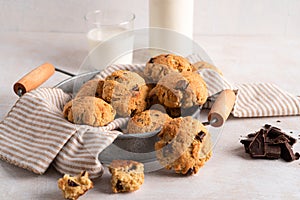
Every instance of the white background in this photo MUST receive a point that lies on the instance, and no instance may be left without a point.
(211, 17)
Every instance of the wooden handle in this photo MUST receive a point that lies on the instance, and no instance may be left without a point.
(34, 78)
(221, 108)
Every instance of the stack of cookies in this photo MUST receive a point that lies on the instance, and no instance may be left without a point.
(156, 99)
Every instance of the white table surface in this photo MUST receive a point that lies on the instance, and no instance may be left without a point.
(229, 174)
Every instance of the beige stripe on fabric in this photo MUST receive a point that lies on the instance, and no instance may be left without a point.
(34, 131)
(264, 99)
(82, 152)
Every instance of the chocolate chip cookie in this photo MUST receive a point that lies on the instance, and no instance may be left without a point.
(147, 121)
(127, 175)
(181, 90)
(88, 110)
(159, 66)
(74, 187)
(91, 88)
(184, 145)
(126, 91)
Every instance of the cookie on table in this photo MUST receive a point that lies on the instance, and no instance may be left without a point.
(184, 145)
(126, 91)
(88, 110)
(181, 90)
(127, 175)
(74, 187)
(91, 88)
(147, 121)
(161, 65)
(204, 65)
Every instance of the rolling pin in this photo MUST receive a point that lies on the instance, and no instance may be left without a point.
(221, 109)
(34, 78)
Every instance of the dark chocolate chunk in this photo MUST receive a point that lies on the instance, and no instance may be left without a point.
(119, 186)
(133, 112)
(266, 126)
(190, 172)
(72, 183)
(270, 143)
(135, 88)
(250, 135)
(287, 152)
(83, 173)
(246, 143)
(278, 140)
(200, 136)
(151, 60)
(132, 168)
(257, 146)
(297, 155)
(272, 151)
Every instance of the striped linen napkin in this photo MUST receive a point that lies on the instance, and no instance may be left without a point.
(34, 134)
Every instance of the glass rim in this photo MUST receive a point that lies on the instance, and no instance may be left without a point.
(131, 17)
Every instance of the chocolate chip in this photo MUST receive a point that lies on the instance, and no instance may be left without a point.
(181, 85)
(133, 112)
(83, 173)
(135, 88)
(140, 120)
(151, 60)
(119, 186)
(200, 136)
(132, 168)
(190, 172)
(278, 121)
(116, 78)
(72, 183)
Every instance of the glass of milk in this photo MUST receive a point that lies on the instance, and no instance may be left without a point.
(110, 37)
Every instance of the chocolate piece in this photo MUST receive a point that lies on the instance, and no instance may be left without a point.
(135, 88)
(257, 146)
(287, 152)
(278, 140)
(266, 126)
(72, 183)
(119, 186)
(272, 151)
(270, 143)
(200, 136)
(246, 143)
(190, 172)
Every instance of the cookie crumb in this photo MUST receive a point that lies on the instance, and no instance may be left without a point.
(74, 187)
